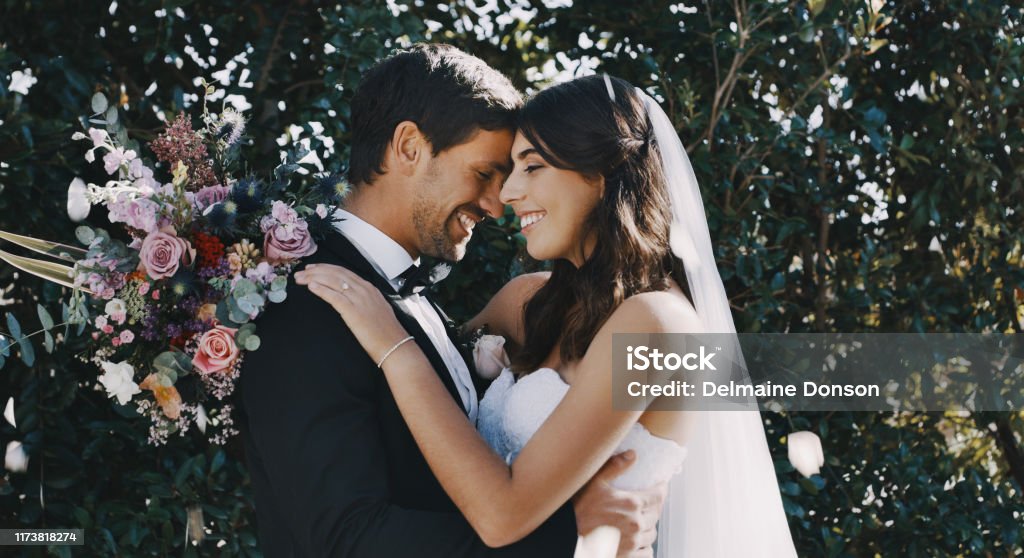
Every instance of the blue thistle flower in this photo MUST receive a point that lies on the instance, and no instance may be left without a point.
(248, 194)
(332, 187)
(222, 215)
(183, 283)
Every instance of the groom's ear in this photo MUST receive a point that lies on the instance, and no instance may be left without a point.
(408, 148)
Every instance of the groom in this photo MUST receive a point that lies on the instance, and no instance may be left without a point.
(335, 470)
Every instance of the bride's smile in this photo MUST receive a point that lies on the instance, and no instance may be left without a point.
(552, 203)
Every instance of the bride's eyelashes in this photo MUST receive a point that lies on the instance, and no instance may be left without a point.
(530, 168)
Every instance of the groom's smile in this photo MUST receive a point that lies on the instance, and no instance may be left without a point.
(458, 189)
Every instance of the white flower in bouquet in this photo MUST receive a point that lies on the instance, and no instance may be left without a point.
(805, 452)
(489, 356)
(15, 460)
(201, 419)
(78, 202)
(116, 310)
(117, 379)
(9, 412)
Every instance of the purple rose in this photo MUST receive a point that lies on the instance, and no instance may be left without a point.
(287, 241)
(161, 253)
(210, 195)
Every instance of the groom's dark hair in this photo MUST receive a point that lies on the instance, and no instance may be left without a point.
(448, 93)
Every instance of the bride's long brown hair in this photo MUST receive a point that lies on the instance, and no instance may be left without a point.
(577, 126)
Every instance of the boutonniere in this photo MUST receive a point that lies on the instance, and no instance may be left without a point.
(489, 356)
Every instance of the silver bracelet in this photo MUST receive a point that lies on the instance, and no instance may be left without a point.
(393, 349)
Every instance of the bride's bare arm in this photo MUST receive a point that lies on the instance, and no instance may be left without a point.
(504, 503)
(503, 314)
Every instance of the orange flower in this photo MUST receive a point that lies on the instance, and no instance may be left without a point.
(207, 312)
(167, 397)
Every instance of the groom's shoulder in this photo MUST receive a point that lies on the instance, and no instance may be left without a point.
(301, 311)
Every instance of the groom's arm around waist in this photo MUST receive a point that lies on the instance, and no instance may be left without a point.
(311, 402)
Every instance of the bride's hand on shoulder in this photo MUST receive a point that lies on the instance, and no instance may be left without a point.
(363, 308)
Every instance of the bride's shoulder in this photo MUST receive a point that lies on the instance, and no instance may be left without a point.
(655, 312)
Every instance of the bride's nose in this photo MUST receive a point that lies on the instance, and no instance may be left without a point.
(512, 190)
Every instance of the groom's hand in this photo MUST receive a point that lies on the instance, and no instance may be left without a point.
(634, 513)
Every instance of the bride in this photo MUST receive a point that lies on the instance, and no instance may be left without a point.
(603, 188)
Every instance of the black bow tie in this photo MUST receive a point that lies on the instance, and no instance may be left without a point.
(419, 277)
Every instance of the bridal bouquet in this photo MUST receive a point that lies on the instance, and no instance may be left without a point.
(170, 297)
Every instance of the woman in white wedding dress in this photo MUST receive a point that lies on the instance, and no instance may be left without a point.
(600, 190)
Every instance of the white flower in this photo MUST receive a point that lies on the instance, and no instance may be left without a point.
(15, 461)
(78, 202)
(321, 210)
(99, 137)
(9, 412)
(117, 380)
(201, 419)
(115, 307)
(489, 356)
(22, 81)
(805, 452)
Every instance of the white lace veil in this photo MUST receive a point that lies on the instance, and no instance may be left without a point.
(725, 503)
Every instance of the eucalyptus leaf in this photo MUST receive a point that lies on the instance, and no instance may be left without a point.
(277, 296)
(13, 327)
(111, 115)
(44, 317)
(241, 337)
(99, 103)
(252, 343)
(48, 341)
(84, 234)
(28, 352)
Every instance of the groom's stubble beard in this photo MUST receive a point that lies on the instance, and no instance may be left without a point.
(432, 221)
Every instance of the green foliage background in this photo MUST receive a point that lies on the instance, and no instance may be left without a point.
(862, 171)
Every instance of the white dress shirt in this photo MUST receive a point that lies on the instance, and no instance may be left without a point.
(389, 260)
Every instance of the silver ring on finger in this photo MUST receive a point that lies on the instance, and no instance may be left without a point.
(345, 286)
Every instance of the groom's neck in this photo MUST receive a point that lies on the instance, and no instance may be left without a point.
(372, 204)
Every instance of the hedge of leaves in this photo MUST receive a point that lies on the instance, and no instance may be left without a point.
(862, 167)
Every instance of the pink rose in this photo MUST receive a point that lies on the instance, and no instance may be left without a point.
(161, 253)
(287, 241)
(217, 350)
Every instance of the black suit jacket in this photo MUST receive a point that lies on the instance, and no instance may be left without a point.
(335, 470)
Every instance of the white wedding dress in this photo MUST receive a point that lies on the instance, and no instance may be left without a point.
(511, 412)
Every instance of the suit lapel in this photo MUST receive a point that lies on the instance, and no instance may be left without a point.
(350, 257)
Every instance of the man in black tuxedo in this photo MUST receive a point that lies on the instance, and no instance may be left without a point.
(335, 470)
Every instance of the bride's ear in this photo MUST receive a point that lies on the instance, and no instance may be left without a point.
(599, 182)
